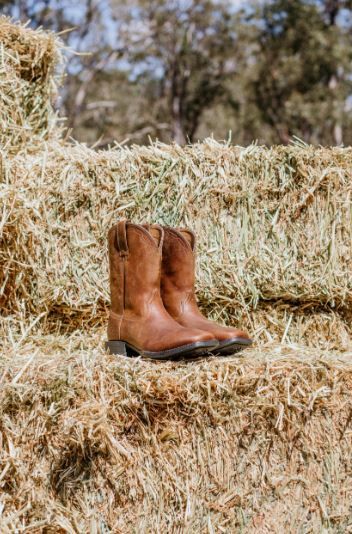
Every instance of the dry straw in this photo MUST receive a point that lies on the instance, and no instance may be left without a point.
(91, 443)
(28, 80)
(274, 228)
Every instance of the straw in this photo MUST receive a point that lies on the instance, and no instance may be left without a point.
(261, 244)
(29, 76)
(95, 443)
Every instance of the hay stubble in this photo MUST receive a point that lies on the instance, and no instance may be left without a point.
(94, 441)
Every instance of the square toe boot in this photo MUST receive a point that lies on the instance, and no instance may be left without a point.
(138, 322)
(178, 291)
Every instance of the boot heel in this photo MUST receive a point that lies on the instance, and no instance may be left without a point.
(116, 347)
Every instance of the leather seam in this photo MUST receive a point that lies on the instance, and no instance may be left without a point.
(121, 317)
(146, 237)
(194, 239)
(181, 240)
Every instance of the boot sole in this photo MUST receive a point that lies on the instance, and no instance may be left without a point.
(231, 346)
(198, 348)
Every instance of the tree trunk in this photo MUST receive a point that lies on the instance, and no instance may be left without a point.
(178, 134)
(332, 8)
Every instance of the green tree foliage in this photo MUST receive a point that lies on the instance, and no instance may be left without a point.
(183, 69)
(302, 70)
(186, 50)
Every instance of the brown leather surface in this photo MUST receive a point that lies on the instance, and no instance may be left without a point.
(137, 314)
(178, 285)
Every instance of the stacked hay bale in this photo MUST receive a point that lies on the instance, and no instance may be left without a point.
(95, 443)
(90, 442)
(274, 225)
(28, 81)
(29, 74)
(274, 228)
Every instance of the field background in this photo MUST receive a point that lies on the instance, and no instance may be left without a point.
(91, 442)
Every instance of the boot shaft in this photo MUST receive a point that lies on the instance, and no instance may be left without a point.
(135, 262)
(178, 269)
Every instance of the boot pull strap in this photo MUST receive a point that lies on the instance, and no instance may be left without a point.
(122, 238)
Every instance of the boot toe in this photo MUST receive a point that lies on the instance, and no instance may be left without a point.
(196, 336)
(225, 333)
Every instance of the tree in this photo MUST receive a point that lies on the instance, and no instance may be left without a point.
(300, 54)
(187, 49)
(183, 69)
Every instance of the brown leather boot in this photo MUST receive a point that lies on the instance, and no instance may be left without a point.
(178, 291)
(138, 321)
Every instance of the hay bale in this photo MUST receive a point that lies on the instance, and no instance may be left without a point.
(90, 442)
(28, 83)
(274, 228)
(95, 443)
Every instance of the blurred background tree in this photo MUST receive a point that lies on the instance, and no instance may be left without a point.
(181, 70)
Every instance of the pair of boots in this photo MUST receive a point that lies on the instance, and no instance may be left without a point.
(154, 312)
